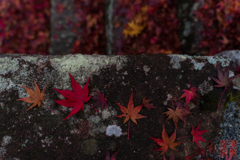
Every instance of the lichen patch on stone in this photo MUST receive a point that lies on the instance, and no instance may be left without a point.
(146, 68)
(6, 140)
(205, 87)
(8, 64)
(175, 59)
(113, 130)
(87, 65)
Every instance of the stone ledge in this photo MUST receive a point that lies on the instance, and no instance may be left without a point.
(41, 134)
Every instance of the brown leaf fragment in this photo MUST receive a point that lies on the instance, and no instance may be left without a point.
(146, 104)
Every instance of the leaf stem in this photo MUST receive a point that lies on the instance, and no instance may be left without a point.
(172, 103)
(183, 137)
(221, 98)
(195, 111)
(137, 94)
(49, 108)
(92, 106)
(189, 77)
(128, 127)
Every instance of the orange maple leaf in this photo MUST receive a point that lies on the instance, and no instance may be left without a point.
(196, 134)
(130, 112)
(35, 96)
(146, 104)
(166, 142)
(176, 115)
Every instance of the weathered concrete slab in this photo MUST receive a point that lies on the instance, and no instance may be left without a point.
(40, 134)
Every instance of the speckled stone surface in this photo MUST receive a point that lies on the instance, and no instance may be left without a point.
(40, 134)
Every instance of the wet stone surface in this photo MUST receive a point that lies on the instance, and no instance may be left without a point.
(41, 134)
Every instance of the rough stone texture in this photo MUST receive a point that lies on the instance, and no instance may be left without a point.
(41, 134)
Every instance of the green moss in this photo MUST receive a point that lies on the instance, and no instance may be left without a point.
(232, 98)
(209, 102)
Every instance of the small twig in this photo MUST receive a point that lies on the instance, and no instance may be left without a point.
(137, 94)
(49, 108)
(128, 127)
(183, 137)
(92, 106)
(189, 77)
(221, 98)
(195, 111)
(172, 103)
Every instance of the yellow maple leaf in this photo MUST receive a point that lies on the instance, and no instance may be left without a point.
(133, 29)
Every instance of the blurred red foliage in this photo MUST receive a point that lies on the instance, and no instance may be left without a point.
(89, 27)
(160, 33)
(24, 26)
(221, 26)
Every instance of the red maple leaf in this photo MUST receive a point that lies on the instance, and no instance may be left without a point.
(223, 80)
(113, 157)
(212, 148)
(190, 94)
(166, 142)
(100, 100)
(200, 151)
(196, 134)
(75, 99)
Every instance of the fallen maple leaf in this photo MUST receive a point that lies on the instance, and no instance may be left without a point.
(200, 151)
(196, 134)
(212, 148)
(130, 112)
(35, 96)
(133, 29)
(100, 100)
(175, 115)
(166, 142)
(60, 8)
(223, 81)
(225, 40)
(75, 99)
(190, 94)
(189, 157)
(113, 157)
(185, 108)
(171, 158)
(146, 104)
